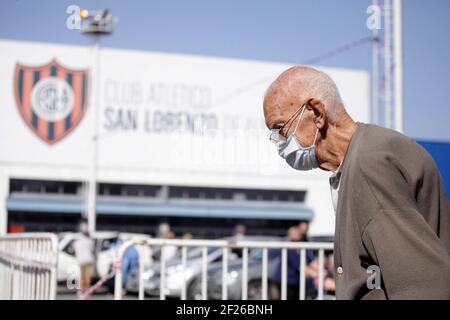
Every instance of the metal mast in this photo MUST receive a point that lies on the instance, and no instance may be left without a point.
(96, 24)
(387, 67)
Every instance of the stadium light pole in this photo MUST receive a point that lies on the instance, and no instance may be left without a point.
(375, 69)
(387, 64)
(96, 24)
(398, 72)
(387, 67)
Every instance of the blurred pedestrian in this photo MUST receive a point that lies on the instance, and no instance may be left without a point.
(163, 229)
(303, 228)
(187, 236)
(84, 253)
(170, 251)
(239, 231)
(238, 235)
(130, 262)
(295, 234)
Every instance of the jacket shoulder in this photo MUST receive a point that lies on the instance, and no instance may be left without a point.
(384, 145)
(377, 139)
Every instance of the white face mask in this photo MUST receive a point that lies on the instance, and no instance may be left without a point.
(295, 155)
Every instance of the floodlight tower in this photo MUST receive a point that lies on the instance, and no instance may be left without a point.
(387, 66)
(95, 24)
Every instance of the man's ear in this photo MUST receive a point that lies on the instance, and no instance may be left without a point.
(319, 112)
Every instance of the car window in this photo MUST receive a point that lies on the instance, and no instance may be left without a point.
(105, 244)
(256, 254)
(69, 249)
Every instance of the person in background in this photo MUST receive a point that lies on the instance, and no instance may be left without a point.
(164, 232)
(238, 235)
(329, 285)
(187, 236)
(303, 227)
(84, 253)
(239, 231)
(329, 282)
(163, 229)
(130, 262)
(295, 234)
(170, 251)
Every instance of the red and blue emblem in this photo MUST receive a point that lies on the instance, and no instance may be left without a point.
(52, 99)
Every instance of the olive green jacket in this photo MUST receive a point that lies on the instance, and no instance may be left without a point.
(392, 220)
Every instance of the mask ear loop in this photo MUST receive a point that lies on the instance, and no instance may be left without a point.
(298, 122)
(315, 137)
(299, 119)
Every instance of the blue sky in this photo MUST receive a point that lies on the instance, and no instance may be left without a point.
(270, 30)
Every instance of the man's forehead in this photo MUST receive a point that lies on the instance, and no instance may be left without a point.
(277, 109)
(275, 117)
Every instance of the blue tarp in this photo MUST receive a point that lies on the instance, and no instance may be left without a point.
(440, 151)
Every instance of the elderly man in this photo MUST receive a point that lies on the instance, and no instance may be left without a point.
(391, 211)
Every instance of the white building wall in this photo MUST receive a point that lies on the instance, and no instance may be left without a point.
(4, 190)
(236, 153)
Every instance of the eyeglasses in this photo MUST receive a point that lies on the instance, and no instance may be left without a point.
(275, 135)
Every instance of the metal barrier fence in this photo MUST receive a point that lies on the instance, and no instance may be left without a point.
(28, 263)
(226, 245)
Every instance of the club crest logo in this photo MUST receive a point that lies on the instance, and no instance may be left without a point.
(52, 99)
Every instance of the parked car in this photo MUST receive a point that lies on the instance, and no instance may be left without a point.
(234, 276)
(68, 265)
(174, 273)
(193, 271)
